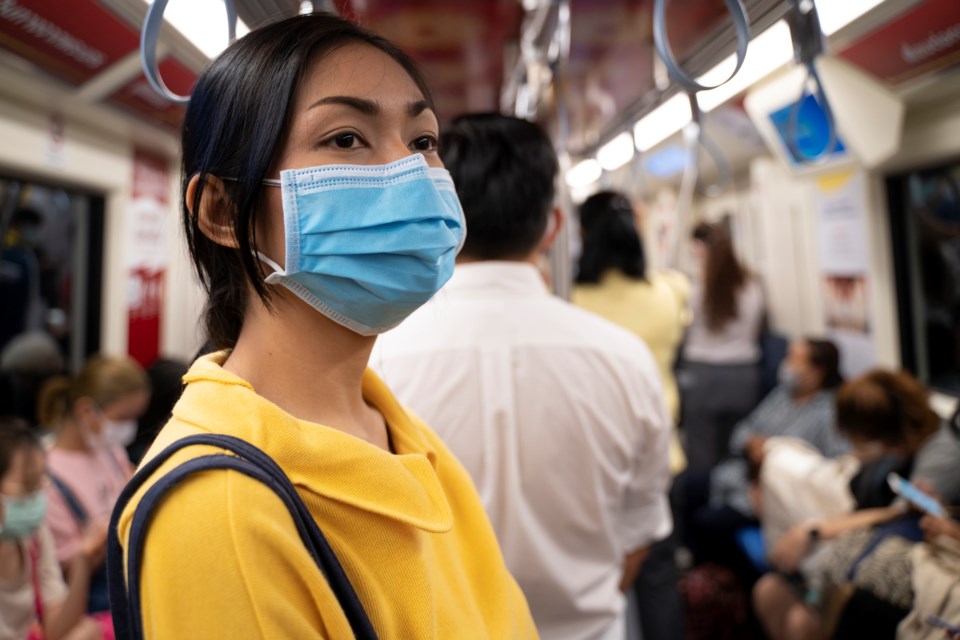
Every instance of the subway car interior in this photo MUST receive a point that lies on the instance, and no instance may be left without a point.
(674, 283)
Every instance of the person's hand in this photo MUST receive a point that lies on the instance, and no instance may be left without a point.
(632, 564)
(791, 549)
(753, 449)
(94, 546)
(934, 527)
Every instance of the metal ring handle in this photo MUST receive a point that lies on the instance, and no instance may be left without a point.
(741, 24)
(697, 142)
(150, 37)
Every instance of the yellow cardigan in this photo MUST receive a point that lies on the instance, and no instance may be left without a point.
(223, 558)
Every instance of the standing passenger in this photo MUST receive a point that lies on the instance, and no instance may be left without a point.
(613, 281)
(318, 215)
(722, 351)
(557, 414)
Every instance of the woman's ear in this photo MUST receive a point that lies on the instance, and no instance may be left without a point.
(85, 411)
(214, 216)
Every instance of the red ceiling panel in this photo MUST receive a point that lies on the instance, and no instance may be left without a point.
(460, 45)
(139, 97)
(72, 41)
(924, 39)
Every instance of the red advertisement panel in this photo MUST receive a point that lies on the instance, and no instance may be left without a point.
(919, 41)
(73, 41)
(147, 227)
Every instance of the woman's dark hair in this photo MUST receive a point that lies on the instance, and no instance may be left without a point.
(825, 356)
(15, 434)
(610, 238)
(723, 275)
(891, 407)
(505, 169)
(234, 128)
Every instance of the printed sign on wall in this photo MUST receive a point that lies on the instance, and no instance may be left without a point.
(844, 266)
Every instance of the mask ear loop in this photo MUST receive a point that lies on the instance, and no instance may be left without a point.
(277, 269)
(150, 36)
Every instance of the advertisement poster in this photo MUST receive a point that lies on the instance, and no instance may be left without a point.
(844, 264)
(147, 254)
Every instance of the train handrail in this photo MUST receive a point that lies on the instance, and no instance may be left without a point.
(808, 44)
(697, 140)
(661, 41)
(150, 38)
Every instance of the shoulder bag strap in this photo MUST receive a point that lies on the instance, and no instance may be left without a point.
(73, 503)
(125, 593)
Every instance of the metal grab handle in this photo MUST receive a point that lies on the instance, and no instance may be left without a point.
(661, 41)
(808, 44)
(698, 142)
(793, 123)
(150, 37)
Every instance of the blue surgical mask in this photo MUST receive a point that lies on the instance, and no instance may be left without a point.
(22, 516)
(788, 378)
(367, 245)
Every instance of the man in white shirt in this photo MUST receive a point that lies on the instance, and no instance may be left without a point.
(558, 415)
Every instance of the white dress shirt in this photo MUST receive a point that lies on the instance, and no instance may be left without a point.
(559, 416)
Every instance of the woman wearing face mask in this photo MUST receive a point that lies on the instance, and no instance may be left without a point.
(318, 215)
(95, 416)
(888, 420)
(34, 600)
(718, 504)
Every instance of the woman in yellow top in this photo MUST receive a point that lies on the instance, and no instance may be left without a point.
(613, 281)
(318, 215)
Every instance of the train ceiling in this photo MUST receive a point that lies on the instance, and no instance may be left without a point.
(466, 47)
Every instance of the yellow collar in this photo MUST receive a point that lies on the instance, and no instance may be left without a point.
(320, 459)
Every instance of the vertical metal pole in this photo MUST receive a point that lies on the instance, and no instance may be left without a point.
(561, 265)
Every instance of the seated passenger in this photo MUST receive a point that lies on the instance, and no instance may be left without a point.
(887, 418)
(318, 215)
(557, 414)
(35, 603)
(95, 414)
(802, 407)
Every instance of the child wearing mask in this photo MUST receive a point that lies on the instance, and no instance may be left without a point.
(95, 414)
(34, 600)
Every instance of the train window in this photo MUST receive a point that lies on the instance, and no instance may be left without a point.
(925, 208)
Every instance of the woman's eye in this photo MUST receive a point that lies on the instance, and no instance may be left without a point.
(345, 140)
(424, 143)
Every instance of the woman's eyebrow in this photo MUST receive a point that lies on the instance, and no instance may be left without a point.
(366, 107)
(369, 107)
(414, 109)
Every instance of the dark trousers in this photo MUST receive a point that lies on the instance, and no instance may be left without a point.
(714, 398)
(658, 596)
(710, 532)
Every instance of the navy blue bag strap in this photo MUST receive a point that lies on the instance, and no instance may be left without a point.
(125, 592)
(73, 503)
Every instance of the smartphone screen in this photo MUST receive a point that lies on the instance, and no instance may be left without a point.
(916, 497)
(940, 623)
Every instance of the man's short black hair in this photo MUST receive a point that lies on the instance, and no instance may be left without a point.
(504, 169)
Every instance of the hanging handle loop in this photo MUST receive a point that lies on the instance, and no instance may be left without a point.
(699, 143)
(150, 37)
(808, 44)
(741, 24)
